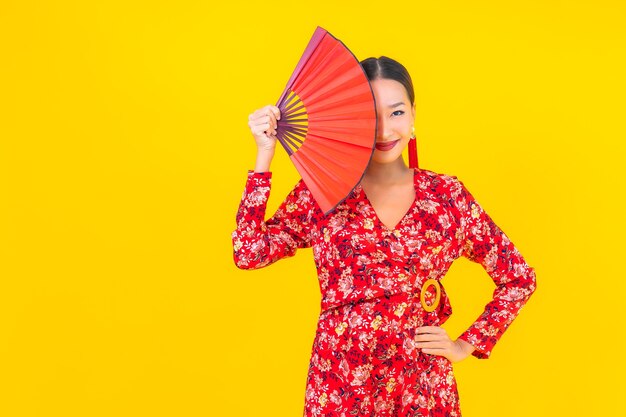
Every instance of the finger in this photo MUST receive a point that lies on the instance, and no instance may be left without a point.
(260, 129)
(257, 114)
(272, 119)
(429, 329)
(269, 131)
(273, 122)
(267, 117)
(267, 114)
(261, 118)
(257, 127)
(427, 337)
(438, 344)
(260, 113)
(262, 121)
(271, 111)
(275, 111)
(434, 351)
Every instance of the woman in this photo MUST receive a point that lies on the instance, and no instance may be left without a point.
(379, 348)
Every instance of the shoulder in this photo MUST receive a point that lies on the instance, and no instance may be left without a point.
(449, 190)
(301, 195)
(439, 183)
(301, 190)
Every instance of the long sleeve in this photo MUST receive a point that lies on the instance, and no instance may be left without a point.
(258, 243)
(485, 243)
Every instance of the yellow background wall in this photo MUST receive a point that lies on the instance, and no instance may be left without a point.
(124, 148)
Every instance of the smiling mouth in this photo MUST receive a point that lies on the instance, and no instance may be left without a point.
(385, 146)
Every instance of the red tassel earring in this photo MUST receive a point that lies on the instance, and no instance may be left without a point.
(413, 151)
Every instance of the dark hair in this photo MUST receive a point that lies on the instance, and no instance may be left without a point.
(387, 68)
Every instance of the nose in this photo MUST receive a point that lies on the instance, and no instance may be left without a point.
(382, 129)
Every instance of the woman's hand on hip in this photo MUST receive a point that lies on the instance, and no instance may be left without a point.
(434, 340)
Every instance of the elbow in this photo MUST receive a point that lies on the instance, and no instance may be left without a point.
(531, 283)
(242, 262)
(533, 280)
(240, 265)
(249, 260)
(252, 255)
(241, 257)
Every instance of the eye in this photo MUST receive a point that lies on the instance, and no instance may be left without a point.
(400, 112)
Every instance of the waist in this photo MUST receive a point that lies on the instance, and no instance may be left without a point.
(427, 303)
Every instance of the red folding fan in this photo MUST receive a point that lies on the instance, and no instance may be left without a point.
(328, 119)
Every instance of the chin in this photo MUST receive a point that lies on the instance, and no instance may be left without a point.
(385, 159)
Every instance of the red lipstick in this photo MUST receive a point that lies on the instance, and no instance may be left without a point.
(385, 146)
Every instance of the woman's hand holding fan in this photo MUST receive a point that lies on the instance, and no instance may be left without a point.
(263, 123)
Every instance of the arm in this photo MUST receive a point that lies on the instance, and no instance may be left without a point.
(485, 243)
(258, 243)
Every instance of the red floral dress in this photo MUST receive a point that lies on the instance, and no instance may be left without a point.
(364, 361)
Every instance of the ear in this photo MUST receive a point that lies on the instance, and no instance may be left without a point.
(413, 111)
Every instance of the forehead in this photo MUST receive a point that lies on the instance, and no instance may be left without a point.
(388, 92)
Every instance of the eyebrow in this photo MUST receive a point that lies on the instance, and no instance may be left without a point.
(396, 104)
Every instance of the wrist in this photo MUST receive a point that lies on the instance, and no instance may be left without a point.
(269, 150)
(263, 160)
(465, 346)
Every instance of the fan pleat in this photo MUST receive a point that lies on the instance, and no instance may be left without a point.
(349, 96)
(326, 79)
(327, 52)
(341, 139)
(324, 182)
(335, 78)
(328, 154)
(342, 127)
(347, 91)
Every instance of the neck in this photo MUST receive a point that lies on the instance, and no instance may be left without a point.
(389, 173)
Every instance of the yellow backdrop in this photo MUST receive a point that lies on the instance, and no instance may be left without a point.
(124, 148)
